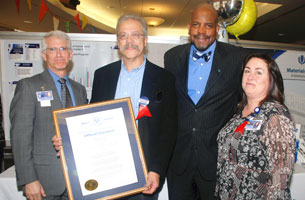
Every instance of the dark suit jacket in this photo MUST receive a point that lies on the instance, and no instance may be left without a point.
(158, 132)
(198, 125)
(32, 129)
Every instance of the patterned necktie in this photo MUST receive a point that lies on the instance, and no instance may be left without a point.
(65, 94)
(205, 56)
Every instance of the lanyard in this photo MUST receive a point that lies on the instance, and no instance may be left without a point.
(241, 127)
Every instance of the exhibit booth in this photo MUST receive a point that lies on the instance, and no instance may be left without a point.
(20, 57)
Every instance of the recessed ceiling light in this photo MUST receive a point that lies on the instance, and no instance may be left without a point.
(28, 22)
(281, 34)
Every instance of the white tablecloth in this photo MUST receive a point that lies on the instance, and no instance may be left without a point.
(8, 186)
(297, 187)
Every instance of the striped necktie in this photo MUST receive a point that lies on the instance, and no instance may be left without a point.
(66, 99)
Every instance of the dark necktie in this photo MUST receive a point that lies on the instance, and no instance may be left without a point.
(65, 94)
(205, 56)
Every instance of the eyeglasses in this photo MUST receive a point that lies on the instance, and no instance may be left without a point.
(134, 36)
(55, 49)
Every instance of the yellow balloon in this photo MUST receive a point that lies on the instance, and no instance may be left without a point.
(246, 20)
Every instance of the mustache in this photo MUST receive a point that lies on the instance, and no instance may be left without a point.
(131, 46)
(201, 36)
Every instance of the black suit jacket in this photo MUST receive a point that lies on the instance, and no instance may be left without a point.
(157, 133)
(198, 125)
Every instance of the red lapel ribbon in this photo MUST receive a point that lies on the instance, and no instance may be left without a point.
(143, 111)
(241, 127)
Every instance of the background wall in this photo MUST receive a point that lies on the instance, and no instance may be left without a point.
(20, 56)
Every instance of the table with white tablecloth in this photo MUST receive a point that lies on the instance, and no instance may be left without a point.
(297, 183)
(9, 191)
(8, 185)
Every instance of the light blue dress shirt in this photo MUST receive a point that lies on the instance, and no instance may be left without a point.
(198, 73)
(58, 85)
(130, 84)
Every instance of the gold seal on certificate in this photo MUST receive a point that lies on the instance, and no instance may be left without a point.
(91, 184)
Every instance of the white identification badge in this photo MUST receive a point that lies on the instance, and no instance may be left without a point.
(45, 103)
(254, 125)
(44, 97)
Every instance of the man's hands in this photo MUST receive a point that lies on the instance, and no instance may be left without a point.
(152, 184)
(34, 191)
(57, 143)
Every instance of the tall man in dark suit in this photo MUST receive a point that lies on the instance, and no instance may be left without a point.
(208, 84)
(38, 168)
(136, 77)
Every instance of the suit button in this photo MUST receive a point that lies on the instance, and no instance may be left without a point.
(194, 129)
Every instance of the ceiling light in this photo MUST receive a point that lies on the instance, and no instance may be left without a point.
(154, 21)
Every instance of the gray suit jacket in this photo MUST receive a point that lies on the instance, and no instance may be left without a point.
(32, 130)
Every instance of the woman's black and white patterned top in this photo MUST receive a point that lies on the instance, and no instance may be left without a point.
(257, 164)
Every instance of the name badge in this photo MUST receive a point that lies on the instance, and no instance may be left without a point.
(45, 103)
(44, 95)
(143, 108)
(144, 101)
(254, 125)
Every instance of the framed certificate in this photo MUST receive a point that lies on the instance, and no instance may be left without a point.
(101, 154)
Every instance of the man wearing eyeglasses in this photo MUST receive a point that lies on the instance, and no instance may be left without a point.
(136, 77)
(38, 168)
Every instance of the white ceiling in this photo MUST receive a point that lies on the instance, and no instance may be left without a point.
(175, 12)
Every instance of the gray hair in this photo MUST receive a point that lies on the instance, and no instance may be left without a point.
(132, 17)
(58, 34)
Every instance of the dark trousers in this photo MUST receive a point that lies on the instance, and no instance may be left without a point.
(190, 185)
(63, 196)
(2, 145)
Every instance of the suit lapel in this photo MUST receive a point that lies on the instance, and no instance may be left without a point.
(183, 71)
(47, 83)
(76, 93)
(148, 81)
(112, 82)
(147, 90)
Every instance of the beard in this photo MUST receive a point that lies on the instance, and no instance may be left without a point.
(199, 45)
